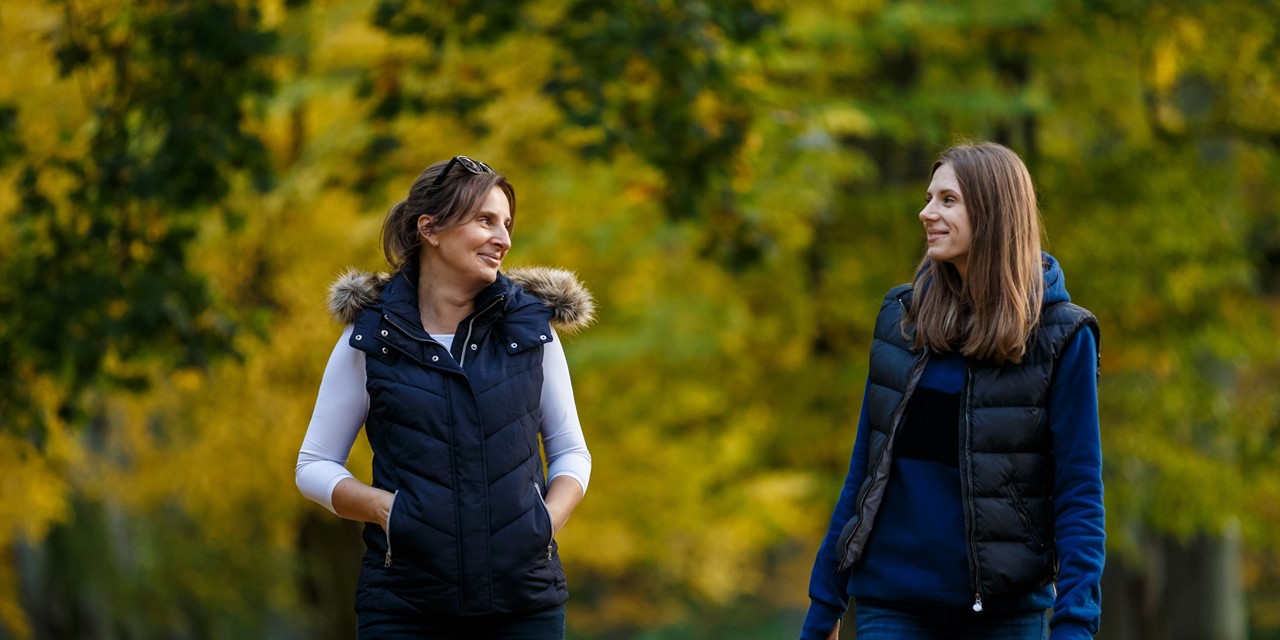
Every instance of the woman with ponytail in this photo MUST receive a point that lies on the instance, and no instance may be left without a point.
(452, 367)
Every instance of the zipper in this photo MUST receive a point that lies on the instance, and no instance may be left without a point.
(551, 525)
(470, 325)
(386, 562)
(917, 371)
(966, 487)
(405, 330)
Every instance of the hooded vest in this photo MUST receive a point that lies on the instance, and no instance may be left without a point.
(1006, 463)
(455, 437)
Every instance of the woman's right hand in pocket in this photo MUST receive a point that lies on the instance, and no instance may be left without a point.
(355, 500)
(386, 501)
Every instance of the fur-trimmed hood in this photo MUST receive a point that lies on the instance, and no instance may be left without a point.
(571, 303)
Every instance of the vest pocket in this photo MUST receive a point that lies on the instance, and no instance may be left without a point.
(412, 549)
(1020, 508)
(551, 527)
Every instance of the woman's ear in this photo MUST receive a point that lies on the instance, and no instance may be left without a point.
(426, 230)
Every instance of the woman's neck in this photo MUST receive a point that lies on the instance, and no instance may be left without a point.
(442, 303)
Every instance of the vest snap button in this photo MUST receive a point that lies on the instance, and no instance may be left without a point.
(542, 337)
(384, 350)
(384, 333)
(473, 347)
(435, 358)
(359, 338)
(514, 345)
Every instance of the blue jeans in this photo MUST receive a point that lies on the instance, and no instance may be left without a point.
(885, 621)
(539, 625)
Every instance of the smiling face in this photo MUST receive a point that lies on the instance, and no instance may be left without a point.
(471, 252)
(947, 227)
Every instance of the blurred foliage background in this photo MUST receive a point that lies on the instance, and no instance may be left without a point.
(737, 181)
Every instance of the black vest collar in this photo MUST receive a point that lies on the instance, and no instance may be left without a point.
(400, 299)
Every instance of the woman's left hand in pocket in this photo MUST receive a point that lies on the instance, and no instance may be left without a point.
(563, 496)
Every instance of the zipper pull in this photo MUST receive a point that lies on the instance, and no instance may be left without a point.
(977, 602)
(549, 552)
(386, 562)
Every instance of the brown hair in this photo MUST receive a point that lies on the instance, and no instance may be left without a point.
(990, 313)
(453, 202)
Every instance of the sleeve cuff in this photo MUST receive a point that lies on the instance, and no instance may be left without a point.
(333, 484)
(821, 620)
(576, 466)
(572, 474)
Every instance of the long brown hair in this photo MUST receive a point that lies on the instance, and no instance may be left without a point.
(453, 202)
(989, 314)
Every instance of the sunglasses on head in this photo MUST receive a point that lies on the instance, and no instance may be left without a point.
(471, 165)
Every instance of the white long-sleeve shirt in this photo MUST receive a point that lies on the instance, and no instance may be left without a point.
(343, 403)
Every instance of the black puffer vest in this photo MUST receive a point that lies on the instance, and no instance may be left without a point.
(1006, 469)
(455, 436)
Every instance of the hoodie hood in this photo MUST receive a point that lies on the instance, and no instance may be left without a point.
(1055, 284)
(572, 306)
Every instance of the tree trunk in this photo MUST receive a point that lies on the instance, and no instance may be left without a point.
(1183, 591)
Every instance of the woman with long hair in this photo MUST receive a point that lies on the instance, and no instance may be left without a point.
(973, 503)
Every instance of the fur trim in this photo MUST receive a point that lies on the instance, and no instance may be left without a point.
(572, 305)
(353, 291)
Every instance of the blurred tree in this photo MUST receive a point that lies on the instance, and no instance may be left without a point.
(109, 190)
(660, 79)
(106, 247)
